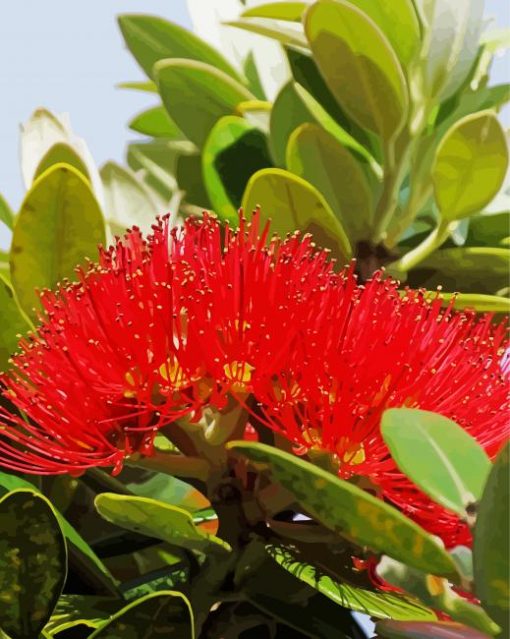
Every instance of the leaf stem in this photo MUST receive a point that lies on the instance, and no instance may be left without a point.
(410, 260)
(172, 464)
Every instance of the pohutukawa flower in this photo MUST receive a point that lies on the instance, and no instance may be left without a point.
(156, 330)
(370, 349)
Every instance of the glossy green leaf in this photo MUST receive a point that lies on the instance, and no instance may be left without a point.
(488, 230)
(452, 467)
(151, 39)
(491, 553)
(271, 29)
(128, 201)
(476, 302)
(164, 614)
(358, 64)
(197, 95)
(291, 11)
(315, 155)
(287, 114)
(381, 605)
(292, 203)
(61, 153)
(156, 519)
(58, 226)
(464, 269)
(6, 213)
(398, 21)
(253, 77)
(470, 165)
(322, 117)
(350, 511)
(234, 151)
(79, 551)
(188, 173)
(33, 563)
(87, 610)
(436, 593)
(155, 123)
(14, 322)
(426, 630)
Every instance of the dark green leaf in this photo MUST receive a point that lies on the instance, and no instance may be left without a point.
(156, 519)
(491, 553)
(151, 39)
(234, 151)
(58, 226)
(163, 614)
(350, 511)
(156, 123)
(488, 230)
(88, 610)
(33, 563)
(189, 178)
(358, 65)
(381, 605)
(316, 156)
(197, 95)
(452, 467)
(292, 203)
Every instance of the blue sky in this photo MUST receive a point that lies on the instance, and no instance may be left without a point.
(68, 56)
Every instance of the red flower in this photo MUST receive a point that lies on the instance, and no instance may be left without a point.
(156, 330)
(372, 349)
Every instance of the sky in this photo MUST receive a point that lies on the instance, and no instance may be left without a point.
(68, 57)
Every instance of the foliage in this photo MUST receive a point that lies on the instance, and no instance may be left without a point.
(386, 146)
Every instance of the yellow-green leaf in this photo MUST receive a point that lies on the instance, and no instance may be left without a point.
(291, 11)
(156, 123)
(316, 156)
(13, 322)
(358, 64)
(293, 204)
(58, 226)
(470, 165)
(350, 511)
(61, 153)
(197, 95)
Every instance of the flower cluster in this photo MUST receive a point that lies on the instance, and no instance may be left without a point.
(196, 316)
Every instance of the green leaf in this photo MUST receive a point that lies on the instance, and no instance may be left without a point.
(58, 226)
(14, 322)
(479, 303)
(380, 605)
(6, 213)
(155, 123)
(436, 593)
(271, 29)
(398, 21)
(128, 201)
(291, 11)
(197, 95)
(323, 118)
(163, 614)
(88, 610)
(425, 630)
(61, 153)
(469, 166)
(488, 230)
(316, 156)
(452, 467)
(79, 551)
(148, 86)
(468, 269)
(491, 553)
(32, 563)
(359, 65)
(292, 203)
(253, 77)
(157, 519)
(350, 511)
(234, 151)
(151, 39)
(287, 114)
